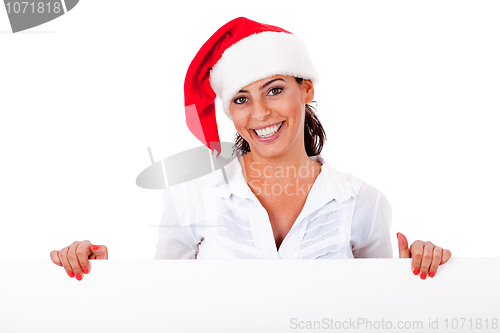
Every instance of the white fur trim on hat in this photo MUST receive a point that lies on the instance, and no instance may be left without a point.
(257, 57)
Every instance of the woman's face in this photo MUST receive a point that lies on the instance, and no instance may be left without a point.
(269, 115)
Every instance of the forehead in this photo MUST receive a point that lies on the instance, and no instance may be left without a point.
(260, 83)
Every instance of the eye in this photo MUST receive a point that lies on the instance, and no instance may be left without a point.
(240, 100)
(275, 91)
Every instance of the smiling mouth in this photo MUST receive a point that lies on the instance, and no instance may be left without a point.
(268, 131)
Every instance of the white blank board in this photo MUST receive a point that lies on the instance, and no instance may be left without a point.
(250, 296)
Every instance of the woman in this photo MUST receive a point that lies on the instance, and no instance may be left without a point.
(280, 199)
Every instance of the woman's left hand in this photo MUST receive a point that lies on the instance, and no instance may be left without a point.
(426, 256)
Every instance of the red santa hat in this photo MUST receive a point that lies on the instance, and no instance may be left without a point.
(239, 53)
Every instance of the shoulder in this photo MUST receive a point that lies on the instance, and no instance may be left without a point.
(198, 187)
(367, 197)
(190, 201)
(371, 198)
(198, 199)
(370, 201)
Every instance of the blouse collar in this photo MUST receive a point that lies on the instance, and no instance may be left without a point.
(330, 183)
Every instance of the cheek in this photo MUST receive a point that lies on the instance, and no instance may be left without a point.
(290, 105)
(294, 110)
(239, 123)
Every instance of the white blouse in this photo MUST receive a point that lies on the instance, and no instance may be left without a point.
(207, 218)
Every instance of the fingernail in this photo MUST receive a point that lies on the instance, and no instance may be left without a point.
(416, 272)
(439, 264)
(71, 274)
(422, 276)
(431, 274)
(78, 277)
(397, 235)
(95, 247)
(85, 271)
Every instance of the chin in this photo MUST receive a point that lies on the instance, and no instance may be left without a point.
(269, 152)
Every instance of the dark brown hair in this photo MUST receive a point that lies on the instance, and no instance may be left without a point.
(314, 134)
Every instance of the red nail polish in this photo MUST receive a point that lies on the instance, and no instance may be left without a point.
(95, 247)
(85, 271)
(422, 276)
(71, 274)
(439, 264)
(416, 272)
(78, 277)
(431, 274)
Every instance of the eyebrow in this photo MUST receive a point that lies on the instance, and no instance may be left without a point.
(265, 85)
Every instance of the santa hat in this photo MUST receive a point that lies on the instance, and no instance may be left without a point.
(239, 53)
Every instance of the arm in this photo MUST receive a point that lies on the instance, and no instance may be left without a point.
(370, 224)
(177, 239)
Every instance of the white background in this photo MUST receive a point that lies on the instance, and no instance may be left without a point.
(408, 95)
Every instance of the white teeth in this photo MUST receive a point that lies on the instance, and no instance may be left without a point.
(268, 131)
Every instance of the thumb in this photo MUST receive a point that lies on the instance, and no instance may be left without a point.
(99, 252)
(404, 252)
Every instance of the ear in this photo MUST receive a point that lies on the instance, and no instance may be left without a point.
(309, 90)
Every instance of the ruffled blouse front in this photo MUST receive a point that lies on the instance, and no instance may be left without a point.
(209, 218)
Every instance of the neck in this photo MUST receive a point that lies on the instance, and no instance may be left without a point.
(279, 169)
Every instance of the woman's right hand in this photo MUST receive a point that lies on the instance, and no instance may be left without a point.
(75, 258)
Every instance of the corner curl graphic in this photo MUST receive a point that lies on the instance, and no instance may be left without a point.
(25, 15)
(186, 166)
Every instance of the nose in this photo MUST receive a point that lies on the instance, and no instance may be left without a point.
(260, 109)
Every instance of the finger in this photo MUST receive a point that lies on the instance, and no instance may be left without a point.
(416, 252)
(446, 256)
(426, 259)
(99, 251)
(74, 262)
(404, 252)
(63, 258)
(55, 258)
(437, 254)
(83, 251)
